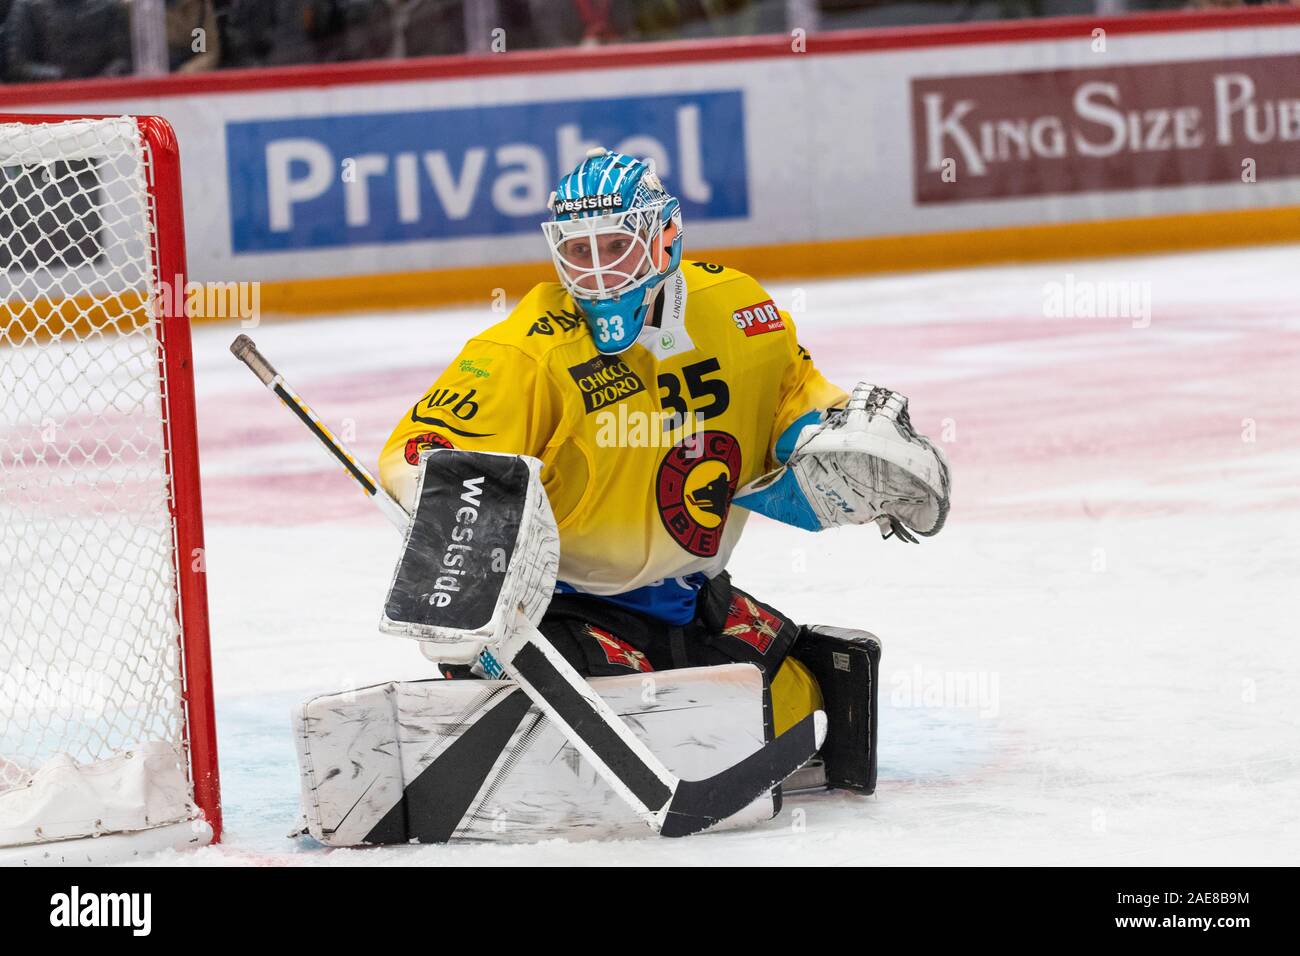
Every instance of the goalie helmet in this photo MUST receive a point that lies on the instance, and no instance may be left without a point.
(616, 237)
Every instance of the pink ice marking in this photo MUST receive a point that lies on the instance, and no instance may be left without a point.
(1081, 417)
(261, 465)
(1040, 417)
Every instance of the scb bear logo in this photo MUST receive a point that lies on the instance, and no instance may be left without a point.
(694, 488)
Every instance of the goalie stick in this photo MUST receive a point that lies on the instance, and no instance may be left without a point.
(668, 804)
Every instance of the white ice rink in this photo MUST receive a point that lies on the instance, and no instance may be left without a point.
(1097, 661)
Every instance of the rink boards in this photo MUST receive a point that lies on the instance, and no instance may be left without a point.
(401, 184)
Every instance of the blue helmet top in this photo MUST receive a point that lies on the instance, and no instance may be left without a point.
(615, 238)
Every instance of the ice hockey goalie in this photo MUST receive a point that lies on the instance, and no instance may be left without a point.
(665, 399)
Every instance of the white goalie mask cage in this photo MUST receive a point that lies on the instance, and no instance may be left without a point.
(591, 261)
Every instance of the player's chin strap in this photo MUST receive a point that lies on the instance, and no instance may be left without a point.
(863, 463)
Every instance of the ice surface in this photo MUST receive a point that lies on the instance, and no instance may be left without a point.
(1097, 661)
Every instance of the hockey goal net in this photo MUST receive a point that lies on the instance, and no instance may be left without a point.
(107, 741)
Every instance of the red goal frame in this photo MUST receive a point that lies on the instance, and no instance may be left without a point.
(180, 444)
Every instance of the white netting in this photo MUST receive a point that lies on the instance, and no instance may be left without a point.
(89, 640)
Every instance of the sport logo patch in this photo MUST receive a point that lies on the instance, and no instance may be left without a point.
(694, 489)
(618, 651)
(748, 622)
(759, 318)
(421, 443)
(604, 381)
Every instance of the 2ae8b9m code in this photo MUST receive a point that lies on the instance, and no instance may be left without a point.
(1193, 897)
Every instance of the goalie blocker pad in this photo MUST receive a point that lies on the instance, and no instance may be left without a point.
(441, 760)
(481, 543)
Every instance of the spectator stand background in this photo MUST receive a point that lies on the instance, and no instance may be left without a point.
(792, 163)
(43, 40)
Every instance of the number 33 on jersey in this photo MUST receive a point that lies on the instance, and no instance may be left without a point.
(642, 451)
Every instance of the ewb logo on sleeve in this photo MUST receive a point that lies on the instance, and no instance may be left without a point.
(468, 172)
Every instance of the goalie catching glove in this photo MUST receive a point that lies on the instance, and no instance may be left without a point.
(865, 462)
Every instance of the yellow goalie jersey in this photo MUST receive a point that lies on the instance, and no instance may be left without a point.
(642, 451)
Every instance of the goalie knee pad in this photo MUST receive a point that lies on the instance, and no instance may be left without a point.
(846, 664)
